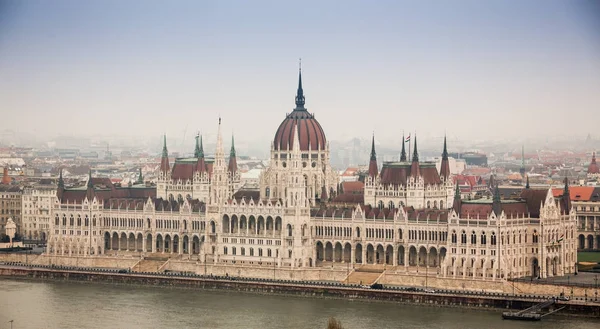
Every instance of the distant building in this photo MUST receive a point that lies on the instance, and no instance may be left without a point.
(36, 209)
(471, 158)
(10, 206)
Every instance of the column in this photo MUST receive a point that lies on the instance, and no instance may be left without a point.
(352, 257)
(154, 243)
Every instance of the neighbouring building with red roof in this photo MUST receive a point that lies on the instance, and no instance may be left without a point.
(403, 219)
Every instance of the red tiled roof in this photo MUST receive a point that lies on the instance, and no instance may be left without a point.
(577, 193)
(353, 187)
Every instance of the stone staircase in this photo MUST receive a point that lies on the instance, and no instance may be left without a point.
(365, 275)
(149, 265)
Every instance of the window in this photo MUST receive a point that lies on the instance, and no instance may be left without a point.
(463, 237)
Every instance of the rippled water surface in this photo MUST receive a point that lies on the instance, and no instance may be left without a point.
(50, 304)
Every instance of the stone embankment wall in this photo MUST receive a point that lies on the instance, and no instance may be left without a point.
(571, 308)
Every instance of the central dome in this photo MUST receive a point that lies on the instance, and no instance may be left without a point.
(310, 133)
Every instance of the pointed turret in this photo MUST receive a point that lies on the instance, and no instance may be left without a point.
(164, 161)
(566, 198)
(457, 200)
(232, 158)
(300, 92)
(497, 202)
(140, 179)
(445, 167)
(373, 171)
(403, 153)
(415, 170)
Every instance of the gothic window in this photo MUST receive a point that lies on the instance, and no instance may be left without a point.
(224, 250)
(71, 220)
(268, 192)
(483, 238)
(493, 238)
(78, 220)
(358, 232)
(473, 238)
(453, 236)
(380, 205)
(391, 205)
(463, 237)
(535, 236)
(428, 204)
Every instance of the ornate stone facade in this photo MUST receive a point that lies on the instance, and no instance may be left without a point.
(408, 222)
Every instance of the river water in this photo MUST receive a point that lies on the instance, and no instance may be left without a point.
(53, 304)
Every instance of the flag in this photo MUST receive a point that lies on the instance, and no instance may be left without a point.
(562, 237)
(407, 139)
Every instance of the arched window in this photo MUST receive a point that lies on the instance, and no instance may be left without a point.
(71, 220)
(268, 192)
(224, 250)
(251, 251)
(78, 220)
(428, 204)
(473, 238)
(243, 250)
(56, 220)
(535, 236)
(358, 232)
(454, 237)
(463, 237)
(391, 205)
(483, 238)
(289, 229)
(493, 238)
(380, 205)
(87, 221)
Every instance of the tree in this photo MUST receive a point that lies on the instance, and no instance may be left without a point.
(334, 323)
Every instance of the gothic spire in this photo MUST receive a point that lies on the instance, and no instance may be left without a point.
(527, 184)
(457, 200)
(164, 161)
(373, 170)
(445, 165)
(415, 157)
(300, 92)
(566, 197)
(373, 154)
(445, 151)
(165, 153)
(403, 153)
(232, 151)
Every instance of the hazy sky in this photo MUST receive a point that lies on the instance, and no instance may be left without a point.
(470, 68)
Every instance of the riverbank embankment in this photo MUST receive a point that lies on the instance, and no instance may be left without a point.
(299, 288)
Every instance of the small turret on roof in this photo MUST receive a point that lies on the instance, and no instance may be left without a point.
(232, 168)
(403, 153)
(445, 167)
(373, 171)
(164, 161)
(415, 170)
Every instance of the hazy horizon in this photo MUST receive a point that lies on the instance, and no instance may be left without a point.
(470, 69)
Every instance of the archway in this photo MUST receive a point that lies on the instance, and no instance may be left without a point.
(225, 224)
(370, 254)
(433, 257)
(389, 255)
(168, 243)
(269, 225)
(149, 243)
(139, 242)
(123, 242)
(347, 253)
(412, 256)
(401, 255)
(234, 224)
(159, 243)
(176, 243)
(328, 252)
(535, 268)
(252, 225)
(380, 255)
(106, 241)
(186, 244)
(319, 250)
(358, 251)
(590, 239)
(422, 256)
(260, 228)
(195, 245)
(131, 242)
(338, 252)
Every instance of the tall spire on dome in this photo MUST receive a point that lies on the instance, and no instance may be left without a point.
(373, 160)
(403, 153)
(300, 92)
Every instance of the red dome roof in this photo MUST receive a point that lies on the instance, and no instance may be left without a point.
(309, 130)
